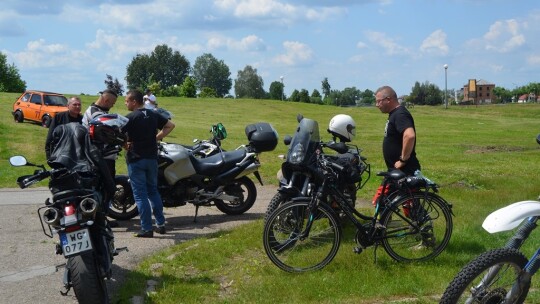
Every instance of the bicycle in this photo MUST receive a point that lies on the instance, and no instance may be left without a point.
(411, 222)
(500, 275)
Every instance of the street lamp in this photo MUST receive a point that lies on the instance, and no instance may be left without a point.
(445, 86)
(282, 87)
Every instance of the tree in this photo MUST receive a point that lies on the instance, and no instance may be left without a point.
(326, 87)
(248, 84)
(10, 80)
(426, 94)
(295, 96)
(349, 96)
(114, 85)
(212, 73)
(207, 92)
(503, 95)
(163, 66)
(316, 97)
(304, 96)
(188, 88)
(276, 91)
(367, 97)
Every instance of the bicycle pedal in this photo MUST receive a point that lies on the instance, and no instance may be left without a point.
(357, 250)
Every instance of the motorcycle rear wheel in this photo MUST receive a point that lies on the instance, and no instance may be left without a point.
(86, 280)
(245, 190)
(123, 205)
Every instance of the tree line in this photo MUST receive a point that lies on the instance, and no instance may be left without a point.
(167, 72)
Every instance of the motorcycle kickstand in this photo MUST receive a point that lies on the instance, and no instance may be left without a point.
(67, 283)
(196, 213)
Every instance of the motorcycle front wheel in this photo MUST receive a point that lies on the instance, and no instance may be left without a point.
(245, 192)
(488, 279)
(123, 205)
(86, 280)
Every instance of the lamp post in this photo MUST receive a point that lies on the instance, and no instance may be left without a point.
(445, 86)
(282, 87)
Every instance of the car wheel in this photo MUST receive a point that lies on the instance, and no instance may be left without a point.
(46, 121)
(18, 116)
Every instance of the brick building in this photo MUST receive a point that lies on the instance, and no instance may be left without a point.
(484, 92)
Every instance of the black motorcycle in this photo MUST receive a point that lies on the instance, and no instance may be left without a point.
(220, 179)
(80, 184)
(298, 171)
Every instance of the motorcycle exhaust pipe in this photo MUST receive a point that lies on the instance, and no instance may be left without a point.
(51, 216)
(88, 207)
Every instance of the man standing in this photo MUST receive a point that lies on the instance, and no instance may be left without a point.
(142, 160)
(105, 102)
(399, 135)
(73, 114)
(150, 100)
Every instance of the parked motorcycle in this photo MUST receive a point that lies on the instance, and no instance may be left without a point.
(78, 183)
(208, 147)
(220, 179)
(298, 170)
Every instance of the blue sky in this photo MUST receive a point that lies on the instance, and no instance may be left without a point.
(69, 46)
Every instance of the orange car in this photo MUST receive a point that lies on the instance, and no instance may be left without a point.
(39, 106)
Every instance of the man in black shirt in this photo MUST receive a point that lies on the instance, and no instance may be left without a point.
(73, 114)
(399, 135)
(142, 132)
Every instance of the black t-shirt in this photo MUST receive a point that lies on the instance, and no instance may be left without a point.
(399, 120)
(141, 130)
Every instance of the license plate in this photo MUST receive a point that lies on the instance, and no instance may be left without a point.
(75, 242)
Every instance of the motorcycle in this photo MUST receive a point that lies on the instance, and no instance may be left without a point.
(208, 147)
(220, 179)
(76, 212)
(501, 275)
(298, 172)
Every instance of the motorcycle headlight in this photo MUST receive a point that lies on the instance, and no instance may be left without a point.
(297, 154)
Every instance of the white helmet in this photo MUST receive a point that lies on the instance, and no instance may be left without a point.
(342, 126)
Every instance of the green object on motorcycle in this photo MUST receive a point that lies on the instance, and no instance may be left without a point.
(219, 131)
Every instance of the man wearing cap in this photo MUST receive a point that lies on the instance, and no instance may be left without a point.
(150, 100)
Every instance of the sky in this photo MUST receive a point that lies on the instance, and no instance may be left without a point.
(70, 46)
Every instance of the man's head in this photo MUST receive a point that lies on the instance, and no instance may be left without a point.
(134, 99)
(386, 99)
(148, 91)
(74, 106)
(107, 99)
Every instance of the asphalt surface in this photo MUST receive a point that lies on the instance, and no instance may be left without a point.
(28, 263)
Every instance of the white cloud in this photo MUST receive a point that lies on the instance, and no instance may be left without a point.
(388, 44)
(533, 60)
(250, 43)
(435, 43)
(296, 53)
(504, 36)
(39, 54)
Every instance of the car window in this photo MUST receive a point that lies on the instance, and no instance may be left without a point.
(36, 99)
(56, 100)
(26, 97)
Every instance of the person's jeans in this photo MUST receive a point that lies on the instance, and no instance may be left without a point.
(143, 178)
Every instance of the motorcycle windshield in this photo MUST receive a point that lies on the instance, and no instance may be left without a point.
(304, 143)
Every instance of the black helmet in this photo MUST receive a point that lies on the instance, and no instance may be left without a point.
(105, 129)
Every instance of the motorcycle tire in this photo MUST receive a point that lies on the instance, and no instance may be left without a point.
(239, 188)
(85, 278)
(123, 205)
(276, 201)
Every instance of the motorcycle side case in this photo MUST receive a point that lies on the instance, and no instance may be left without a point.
(181, 166)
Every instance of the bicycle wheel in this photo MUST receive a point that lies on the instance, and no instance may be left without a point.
(488, 279)
(418, 228)
(288, 250)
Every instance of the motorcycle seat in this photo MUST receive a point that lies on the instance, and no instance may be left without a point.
(218, 163)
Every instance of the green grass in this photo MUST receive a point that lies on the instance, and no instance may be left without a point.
(483, 157)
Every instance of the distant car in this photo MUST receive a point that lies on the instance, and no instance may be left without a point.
(38, 106)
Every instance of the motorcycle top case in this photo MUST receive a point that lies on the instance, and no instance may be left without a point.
(262, 136)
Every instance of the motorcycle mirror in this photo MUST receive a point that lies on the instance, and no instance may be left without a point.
(287, 140)
(18, 161)
(195, 140)
(538, 139)
(299, 117)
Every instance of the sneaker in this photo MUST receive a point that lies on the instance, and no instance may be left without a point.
(144, 234)
(161, 229)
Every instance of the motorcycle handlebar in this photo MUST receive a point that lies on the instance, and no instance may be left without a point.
(26, 181)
